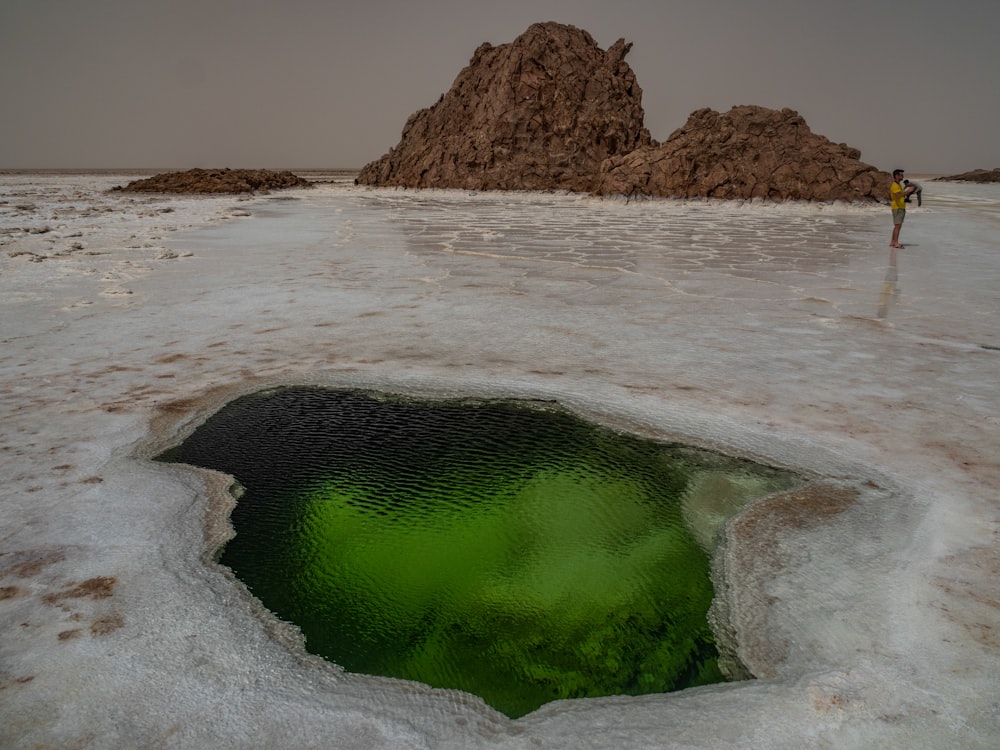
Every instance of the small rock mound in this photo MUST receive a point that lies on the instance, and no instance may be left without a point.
(976, 175)
(216, 181)
(540, 113)
(748, 152)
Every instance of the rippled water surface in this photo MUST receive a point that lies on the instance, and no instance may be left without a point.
(505, 548)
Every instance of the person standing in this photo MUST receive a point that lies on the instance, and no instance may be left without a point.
(897, 199)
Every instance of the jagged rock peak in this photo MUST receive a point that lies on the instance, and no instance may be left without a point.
(748, 152)
(542, 112)
(551, 110)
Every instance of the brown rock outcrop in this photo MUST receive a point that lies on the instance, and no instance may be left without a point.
(215, 181)
(551, 111)
(540, 113)
(976, 175)
(748, 152)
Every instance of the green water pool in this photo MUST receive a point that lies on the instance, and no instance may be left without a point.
(505, 548)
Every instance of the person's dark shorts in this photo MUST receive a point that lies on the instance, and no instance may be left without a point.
(897, 215)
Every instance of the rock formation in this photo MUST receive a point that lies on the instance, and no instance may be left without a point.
(551, 110)
(540, 113)
(748, 152)
(216, 181)
(976, 175)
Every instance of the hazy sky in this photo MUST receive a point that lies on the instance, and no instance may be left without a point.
(328, 83)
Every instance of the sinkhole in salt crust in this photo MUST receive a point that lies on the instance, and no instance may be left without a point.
(507, 548)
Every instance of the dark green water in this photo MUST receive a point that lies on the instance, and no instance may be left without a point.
(504, 548)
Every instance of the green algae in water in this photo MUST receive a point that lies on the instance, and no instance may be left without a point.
(504, 548)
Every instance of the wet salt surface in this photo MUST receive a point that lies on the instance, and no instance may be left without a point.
(786, 333)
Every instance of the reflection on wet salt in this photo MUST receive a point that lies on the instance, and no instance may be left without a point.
(890, 289)
(608, 235)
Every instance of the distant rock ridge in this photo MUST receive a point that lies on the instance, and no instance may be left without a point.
(216, 181)
(552, 111)
(976, 175)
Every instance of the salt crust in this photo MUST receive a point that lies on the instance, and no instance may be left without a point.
(784, 333)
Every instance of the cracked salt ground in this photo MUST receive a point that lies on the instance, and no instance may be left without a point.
(866, 607)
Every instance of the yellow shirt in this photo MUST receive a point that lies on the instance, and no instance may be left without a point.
(898, 195)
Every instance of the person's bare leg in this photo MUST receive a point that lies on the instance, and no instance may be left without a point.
(895, 235)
